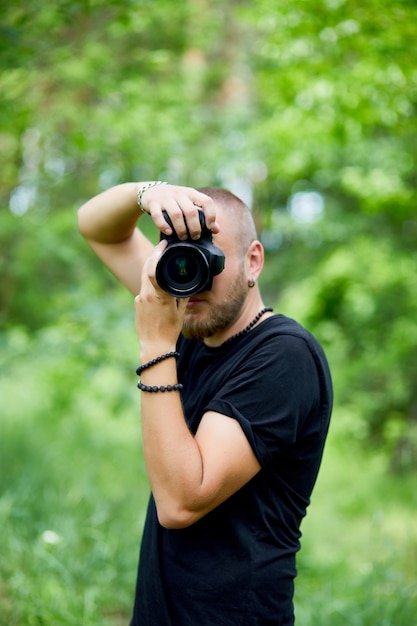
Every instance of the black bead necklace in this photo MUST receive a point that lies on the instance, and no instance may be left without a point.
(256, 319)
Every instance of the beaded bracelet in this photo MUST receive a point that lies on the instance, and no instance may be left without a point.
(154, 388)
(141, 190)
(176, 387)
(158, 359)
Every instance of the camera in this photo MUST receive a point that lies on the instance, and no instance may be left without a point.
(187, 268)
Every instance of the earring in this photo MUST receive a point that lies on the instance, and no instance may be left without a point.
(251, 283)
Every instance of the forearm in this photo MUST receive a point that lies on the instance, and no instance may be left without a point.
(111, 216)
(172, 456)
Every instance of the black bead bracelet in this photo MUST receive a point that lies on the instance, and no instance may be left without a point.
(155, 361)
(154, 388)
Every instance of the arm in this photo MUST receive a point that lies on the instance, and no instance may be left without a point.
(108, 223)
(189, 475)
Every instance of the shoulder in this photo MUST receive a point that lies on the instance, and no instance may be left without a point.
(282, 325)
(288, 349)
(292, 333)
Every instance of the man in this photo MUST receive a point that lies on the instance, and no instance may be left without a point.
(235, 407)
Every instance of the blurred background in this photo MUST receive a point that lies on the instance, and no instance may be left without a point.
(307, 110)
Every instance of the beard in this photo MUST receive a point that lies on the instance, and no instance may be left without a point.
(222, 315)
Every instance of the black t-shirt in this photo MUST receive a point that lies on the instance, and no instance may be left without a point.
(236, 565)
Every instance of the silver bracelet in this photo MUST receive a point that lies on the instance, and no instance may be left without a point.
(141, 190)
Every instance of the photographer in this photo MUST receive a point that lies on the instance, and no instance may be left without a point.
(235, 406)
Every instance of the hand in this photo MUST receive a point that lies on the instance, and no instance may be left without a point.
(159, 316)
(181, 204)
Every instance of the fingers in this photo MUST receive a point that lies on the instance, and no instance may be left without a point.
(182, 205)
(159, 316)
(149, 284)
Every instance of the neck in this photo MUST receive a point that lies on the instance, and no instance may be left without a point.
(250, 317)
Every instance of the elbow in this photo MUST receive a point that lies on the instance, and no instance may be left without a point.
(176, 519)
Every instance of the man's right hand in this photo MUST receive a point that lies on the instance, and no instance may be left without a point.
(181, 204)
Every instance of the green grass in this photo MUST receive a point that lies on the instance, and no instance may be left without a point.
(358, 563)
(73, 492)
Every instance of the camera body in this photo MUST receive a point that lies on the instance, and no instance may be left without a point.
(187, 268)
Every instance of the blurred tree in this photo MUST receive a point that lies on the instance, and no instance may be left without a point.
(306, 110)
(337, 126)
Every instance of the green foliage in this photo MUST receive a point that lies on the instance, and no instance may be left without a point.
(357, 564)
(70, 523)
(362, 302)
(338, 101)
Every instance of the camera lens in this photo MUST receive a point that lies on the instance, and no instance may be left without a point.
(182, 270)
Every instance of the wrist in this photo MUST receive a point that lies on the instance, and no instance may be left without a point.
(156, 376)
(142, 188)
(151, 352)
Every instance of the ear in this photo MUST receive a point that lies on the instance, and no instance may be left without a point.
(255, 259)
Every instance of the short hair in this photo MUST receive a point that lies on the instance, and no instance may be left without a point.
(243, 219)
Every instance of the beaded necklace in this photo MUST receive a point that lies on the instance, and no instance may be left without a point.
(256, 319)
